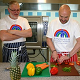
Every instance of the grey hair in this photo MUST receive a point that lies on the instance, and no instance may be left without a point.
(12, 2)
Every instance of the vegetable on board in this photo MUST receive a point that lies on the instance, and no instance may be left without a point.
(38, 70)
(31, 71)
(39, 65)
(66, 69)
(70, 63)
(45, 66)
(78, 63)
(29, 65)
(54, 70)
(52, 65)
(42, 66)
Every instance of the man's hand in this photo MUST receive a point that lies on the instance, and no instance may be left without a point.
(55, 56)
(12, 31)
(62, 58)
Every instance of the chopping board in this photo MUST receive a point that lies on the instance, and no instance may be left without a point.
(73, 72)
(45, 72)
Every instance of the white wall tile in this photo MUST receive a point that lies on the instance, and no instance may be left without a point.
(2, 10)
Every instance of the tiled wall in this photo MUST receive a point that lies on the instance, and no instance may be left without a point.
(51, 14)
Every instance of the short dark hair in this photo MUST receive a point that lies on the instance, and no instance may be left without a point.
(12, 2)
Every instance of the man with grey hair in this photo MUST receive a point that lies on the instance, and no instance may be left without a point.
(13, 32)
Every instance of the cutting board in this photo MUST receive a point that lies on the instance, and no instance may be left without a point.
(73, 72)
(45, 72)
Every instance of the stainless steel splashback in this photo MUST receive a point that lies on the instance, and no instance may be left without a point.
(47, 6)
(42, 4)
(46, 1)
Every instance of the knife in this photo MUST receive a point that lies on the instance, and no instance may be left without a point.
(57, 62)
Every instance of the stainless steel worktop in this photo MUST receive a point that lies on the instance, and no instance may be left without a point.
(4, 74)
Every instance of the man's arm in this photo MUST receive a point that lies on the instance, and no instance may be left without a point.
(51, 46)
(76, 47)
(50, 43)
(74, 51)
(5, 36)
(22, 33)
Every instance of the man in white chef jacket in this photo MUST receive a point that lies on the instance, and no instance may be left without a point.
(63, 37)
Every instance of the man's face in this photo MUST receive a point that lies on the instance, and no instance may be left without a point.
(14, 11)
(64, 16)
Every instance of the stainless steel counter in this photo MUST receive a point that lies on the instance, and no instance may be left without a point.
(4, 74)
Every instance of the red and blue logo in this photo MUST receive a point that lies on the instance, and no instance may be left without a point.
(15, 27)
(62, 33)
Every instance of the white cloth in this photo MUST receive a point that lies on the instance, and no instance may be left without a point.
(20, 23)
(63, 35)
